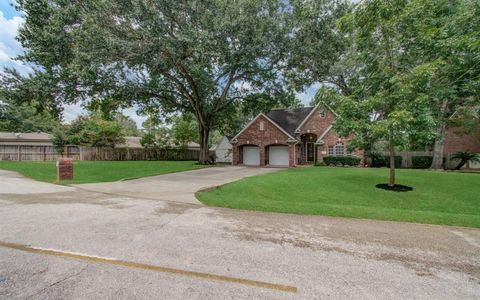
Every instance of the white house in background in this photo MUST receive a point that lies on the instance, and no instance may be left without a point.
(223, 151)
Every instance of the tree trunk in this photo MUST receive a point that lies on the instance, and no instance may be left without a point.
(204, 158)
(438, 152)
(391, 181)
(437, 162)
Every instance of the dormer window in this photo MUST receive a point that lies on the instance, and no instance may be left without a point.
(323, 114)
(262, 126)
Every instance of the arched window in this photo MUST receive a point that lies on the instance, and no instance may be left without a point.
(339, 149)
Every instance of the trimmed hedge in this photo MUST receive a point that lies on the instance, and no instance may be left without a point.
(379, 161)
(421, 162)
(341, 160)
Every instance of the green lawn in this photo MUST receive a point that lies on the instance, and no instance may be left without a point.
(99, 171)
(438, 197)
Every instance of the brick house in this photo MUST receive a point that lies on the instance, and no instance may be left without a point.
(289, 137)
(456, 139)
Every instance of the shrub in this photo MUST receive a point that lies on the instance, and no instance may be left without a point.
(341, 160)
(320, 163)
(422, 162)
(379, 160)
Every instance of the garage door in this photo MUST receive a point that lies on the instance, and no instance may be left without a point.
(278, 155)
(251, 156)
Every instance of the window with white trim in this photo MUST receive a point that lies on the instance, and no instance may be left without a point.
(323, 114)
(330, 150)
(339, 149)
(262, 126)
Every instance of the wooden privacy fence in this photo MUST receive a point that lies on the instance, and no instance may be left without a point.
(93, 153)
(37, 153)
(47, 153)
(407, 158)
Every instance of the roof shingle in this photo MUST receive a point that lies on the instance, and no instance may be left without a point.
(289, 119)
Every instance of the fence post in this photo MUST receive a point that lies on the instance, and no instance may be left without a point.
(19, 151)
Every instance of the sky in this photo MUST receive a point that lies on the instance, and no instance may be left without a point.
(11, 20)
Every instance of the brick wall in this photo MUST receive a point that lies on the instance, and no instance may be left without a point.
(317, 125)
(270, 135)
(457, 140)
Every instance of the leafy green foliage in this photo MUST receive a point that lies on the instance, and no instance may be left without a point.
(422, 162)
(23, 104)
(378, 160)
(465, 157)
(189, 57)
(351, 161)
(90, 131)
(184, 130)
(25, 118)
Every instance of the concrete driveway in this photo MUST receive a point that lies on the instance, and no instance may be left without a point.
(67, 243)
(177, 187)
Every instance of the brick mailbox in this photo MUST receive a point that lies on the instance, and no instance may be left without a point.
(64, 169)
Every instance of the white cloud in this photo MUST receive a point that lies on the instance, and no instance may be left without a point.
(3, 53)
(72, 111)
(9, 46)
(10, 27)
(307, 96)
(132, 113)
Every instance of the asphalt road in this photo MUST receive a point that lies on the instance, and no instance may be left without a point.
(61, 242)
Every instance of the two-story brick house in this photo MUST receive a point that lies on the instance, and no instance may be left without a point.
(290, 137)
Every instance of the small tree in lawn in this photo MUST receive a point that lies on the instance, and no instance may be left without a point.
(381, 106)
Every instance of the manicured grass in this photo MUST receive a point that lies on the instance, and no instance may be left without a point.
(438, 197)
(99, 171)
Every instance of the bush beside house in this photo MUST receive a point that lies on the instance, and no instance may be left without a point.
(352, 161)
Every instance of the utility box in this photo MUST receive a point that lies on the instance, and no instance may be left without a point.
(64, 169)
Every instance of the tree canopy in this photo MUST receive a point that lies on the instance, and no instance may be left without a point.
(197, 57)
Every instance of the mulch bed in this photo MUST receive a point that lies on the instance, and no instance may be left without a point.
(395, 188)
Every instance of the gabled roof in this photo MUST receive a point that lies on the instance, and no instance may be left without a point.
(268, 119)
(289, 119)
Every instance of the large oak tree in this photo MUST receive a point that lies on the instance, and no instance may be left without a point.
(186, 56)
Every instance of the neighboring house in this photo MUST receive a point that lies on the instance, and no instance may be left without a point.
(290, 137)
(190, 146)
(25, 139)
(223, 150)
(26, 146)
(457, 140)
(130, 142)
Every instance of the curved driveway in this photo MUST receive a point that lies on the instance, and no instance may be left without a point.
(175, 187)
(68, 243)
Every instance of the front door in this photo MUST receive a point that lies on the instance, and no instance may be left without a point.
(310, 152)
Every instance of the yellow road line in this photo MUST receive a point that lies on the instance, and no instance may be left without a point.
(130, 264)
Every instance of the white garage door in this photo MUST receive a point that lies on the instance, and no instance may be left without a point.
(278, 155)
(251, 156)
